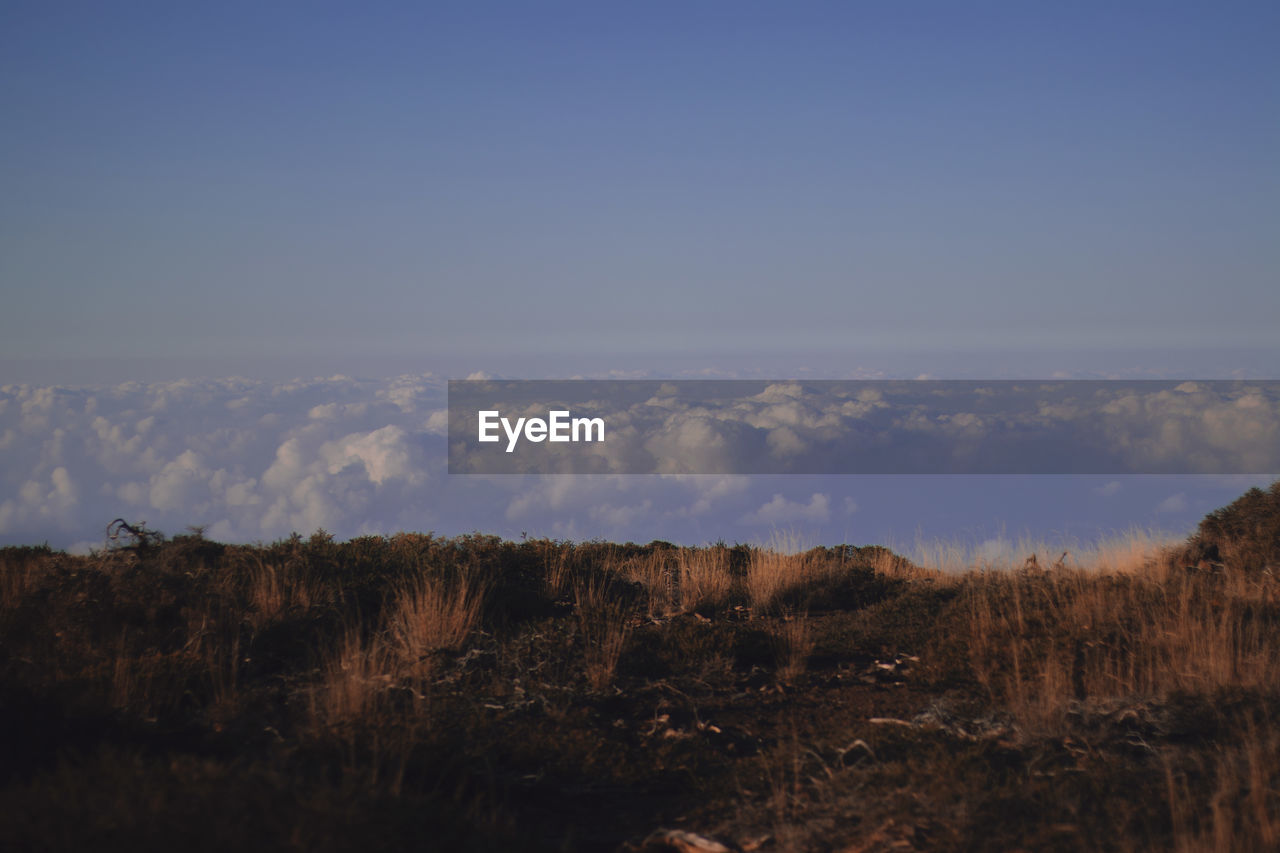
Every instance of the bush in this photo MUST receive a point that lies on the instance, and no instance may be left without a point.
(1244, 535)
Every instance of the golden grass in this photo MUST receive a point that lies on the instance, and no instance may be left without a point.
(355, 676)
(425, 616)
(888, 564)
(1066, 646)
(705, 580)
(430, 615)
(276, 589)
(776, 569)
(770, 572)
(1129, 552)
(557, 568)
(605, 625)
(1131, 624)
(653, 572)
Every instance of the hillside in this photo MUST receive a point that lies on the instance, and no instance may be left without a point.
(418, 692)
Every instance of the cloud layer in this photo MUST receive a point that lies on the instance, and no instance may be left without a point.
(253, 460)
(890, 427)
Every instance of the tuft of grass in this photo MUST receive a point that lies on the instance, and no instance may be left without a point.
(793, 639)
(705, 579)
(277, 588)
(429, 615)
(557, 567)
(355, 676)
(605, 625)
(779, 571)
(770, 573)
(653, 572)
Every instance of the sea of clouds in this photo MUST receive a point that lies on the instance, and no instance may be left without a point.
(255, 460)
(875, 427)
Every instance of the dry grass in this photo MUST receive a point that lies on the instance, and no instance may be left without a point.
(557, 569)
(653, 572)
(276, 589)
(1111, 697)
(888, 564)
(705, 580)
(771, 574)
(19, 573)
(772, 571)
(429, 615)
(793, 638)
(605, 625)
(1132, 624)
(1243, 812)
(355, 677)
(132, 678)
(1132, 551)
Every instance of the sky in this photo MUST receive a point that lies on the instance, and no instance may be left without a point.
(285, 192)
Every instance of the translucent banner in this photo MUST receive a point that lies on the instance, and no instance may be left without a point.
(864, 427)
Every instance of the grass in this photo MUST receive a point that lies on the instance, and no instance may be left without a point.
(794, 645)
(705, 580)
(429, 615)
(558, 696)
(355, 677)
(603, 620)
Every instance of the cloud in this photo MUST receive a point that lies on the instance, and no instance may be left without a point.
(182, 482)
(779, 510)
(249, 459)
(383, 453)
(712, 491)
(690, 444)
(258, 460)
(52, 498)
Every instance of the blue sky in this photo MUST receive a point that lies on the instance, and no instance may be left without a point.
(977, 189)
(411, 178)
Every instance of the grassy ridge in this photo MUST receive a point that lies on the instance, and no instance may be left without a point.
(472, 693)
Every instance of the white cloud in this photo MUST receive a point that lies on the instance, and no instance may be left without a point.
(620, 517)
(689, 445)
(383, 453)
(180, 483)
(287, 468)
(258, 460)
(779, 510)
(438, 422)
(715, 490)
(783, 441)
(50, 499)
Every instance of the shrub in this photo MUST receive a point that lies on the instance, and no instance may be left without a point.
(1244, 535)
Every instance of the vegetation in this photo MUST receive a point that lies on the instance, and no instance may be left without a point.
(472, 693)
